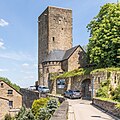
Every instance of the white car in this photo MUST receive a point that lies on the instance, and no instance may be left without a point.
(43, 89)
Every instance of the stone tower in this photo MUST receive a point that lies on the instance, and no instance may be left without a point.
(54, 33)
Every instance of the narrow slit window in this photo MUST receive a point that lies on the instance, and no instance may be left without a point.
(53, 39)
(99, 80)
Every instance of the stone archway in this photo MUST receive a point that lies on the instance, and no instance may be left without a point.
(86, 89)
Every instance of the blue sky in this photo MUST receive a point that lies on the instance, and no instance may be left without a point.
(19, 35)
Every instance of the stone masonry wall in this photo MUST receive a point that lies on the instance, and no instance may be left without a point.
(16, 97)
(74, 60)
(4, 107)
(107, 106)
(99, 77)
(96, 78)
(64, 65)
(54, 32)
(50, 67)
(62, 112)
(60, 28)
(28, 97)
(42, 42)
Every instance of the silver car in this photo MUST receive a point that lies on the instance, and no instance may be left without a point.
(72, 94)
(43, 89)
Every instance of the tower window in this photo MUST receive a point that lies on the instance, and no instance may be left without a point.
(53, 39)
(62, 28)
(115, 79)
(47, 70)
(99, 80)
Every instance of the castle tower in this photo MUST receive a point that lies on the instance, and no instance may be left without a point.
(54, 33)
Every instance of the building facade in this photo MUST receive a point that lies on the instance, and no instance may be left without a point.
(55, 51)
(10, 99)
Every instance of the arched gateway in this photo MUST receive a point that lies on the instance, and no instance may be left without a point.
(86, 89)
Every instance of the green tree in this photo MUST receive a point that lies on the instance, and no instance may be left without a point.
(104, 42)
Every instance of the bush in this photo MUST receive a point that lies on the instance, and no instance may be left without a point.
(47, 111)
(102, 92)
(37, 104)
(8, 117)
(43, 114)
(25, 114)
(52, 105)
(116, 95)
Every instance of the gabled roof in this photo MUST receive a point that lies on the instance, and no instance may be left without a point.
(55, 55)
(69, 52)
(11, 87)
(60, 55)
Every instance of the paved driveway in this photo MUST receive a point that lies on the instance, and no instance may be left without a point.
(83, 110)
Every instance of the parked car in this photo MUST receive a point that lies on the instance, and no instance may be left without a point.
(32, 88)
(43, 89)
(72, 94)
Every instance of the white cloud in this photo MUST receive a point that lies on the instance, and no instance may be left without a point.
(3, 23)
(18, 56)
(29, 77)
(25, 65)
(3, 70)
(2, 44)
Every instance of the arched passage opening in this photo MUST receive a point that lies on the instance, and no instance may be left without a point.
(86, 89)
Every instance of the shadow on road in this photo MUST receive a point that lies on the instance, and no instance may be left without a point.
(104, 111)
(101, 117)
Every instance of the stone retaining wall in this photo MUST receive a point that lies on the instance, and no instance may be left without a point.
(60, 98)
(28, 97)
(107, 106)
(61, 113)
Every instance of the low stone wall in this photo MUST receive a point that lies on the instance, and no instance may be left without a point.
(60, 98)
(62, 112)
(107, 106)
(28, 97)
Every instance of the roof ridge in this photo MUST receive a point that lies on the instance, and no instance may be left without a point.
(69, 52)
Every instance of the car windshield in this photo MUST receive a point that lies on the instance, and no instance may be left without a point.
(76, 91)
(45, 87)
